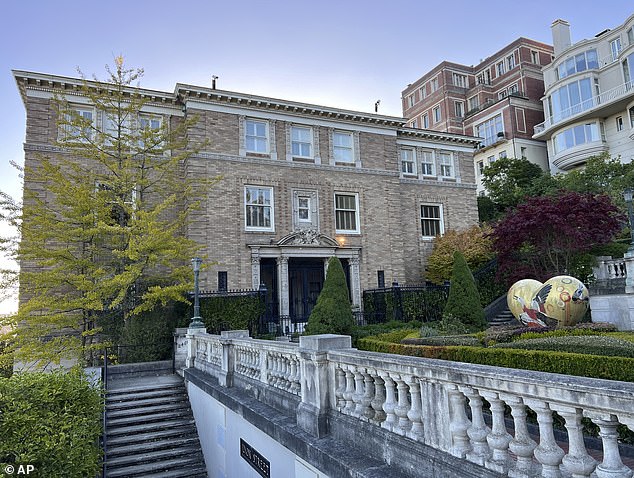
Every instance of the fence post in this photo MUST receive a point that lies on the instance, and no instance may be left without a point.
(398, 302)
(228, 365)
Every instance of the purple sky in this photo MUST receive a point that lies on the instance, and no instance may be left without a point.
(346, 53)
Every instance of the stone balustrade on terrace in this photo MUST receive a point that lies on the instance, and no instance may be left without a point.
(474, 413)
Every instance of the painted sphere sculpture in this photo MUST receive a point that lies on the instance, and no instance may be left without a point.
(560, 301)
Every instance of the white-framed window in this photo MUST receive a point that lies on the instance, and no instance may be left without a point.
(301, 141)
(480, 167)
(410, 101)
(78, 125)
(489, 129)
(304, 209)
(459, 105)
(535, 57)
(258, 208)
(502, 154)
(343, 146)
(347, 213)
(445, 162)
(619, 123)
(434, 84)
(148, 125)
(576, 136)
(473, 102)
(513, 88)
(499, 68)
(427, 164)
(436, 114)
(423, 92)
(425, 121)
(502, 94)
(510, 62)
(256, 136)
(408, 161)
(431, 221)
(460, 80)
(491, 159)
(615, 48)
(415, 123)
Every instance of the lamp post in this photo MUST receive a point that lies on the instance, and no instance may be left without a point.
(196, 323)
(627, 195)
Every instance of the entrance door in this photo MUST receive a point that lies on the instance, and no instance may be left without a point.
(305, 280)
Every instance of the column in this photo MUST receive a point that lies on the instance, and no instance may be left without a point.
(272, 139)
(255, 268)
(282, 278)
(355, 281)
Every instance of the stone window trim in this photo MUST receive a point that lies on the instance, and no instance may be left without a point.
(297, 197)
(407, 162)
(427, 161)
(344, 214)
(356, 158)
(67, 132)
(271, 147)
(256, 210)
(432, 221)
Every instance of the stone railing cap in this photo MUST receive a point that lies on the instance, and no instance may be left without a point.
(324, 342)
(234, 334)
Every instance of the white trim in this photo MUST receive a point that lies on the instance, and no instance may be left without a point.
(357, 215)
(438, 145)
(352, 148)
(266, 137)
(310, 141)
(441, 219)
(271, 206)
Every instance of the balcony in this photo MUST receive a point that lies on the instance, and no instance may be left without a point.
(602, 103)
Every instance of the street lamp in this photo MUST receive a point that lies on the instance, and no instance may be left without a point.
(196, 323)
(627, 195)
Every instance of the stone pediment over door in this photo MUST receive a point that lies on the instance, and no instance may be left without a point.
(307, 237)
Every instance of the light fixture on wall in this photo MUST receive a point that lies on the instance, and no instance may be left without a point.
(341, 240)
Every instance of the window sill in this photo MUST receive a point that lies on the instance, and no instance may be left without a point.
(301, 159)
(341, 163)
(257, 155)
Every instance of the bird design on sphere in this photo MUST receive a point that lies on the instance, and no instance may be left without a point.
(534, 316)
(578, 295)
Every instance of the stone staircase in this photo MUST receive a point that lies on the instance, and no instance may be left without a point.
(505, 317)
(150, 429)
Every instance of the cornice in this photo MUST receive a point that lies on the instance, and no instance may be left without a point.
(437, 136)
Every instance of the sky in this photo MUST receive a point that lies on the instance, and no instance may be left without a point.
(345, 54)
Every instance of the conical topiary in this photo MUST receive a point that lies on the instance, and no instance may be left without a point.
(332, 313)
(464, 299)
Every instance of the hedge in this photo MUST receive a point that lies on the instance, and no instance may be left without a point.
(611, 368)
(590, 344)
(51, 421)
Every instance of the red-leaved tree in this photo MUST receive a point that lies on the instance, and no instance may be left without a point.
(543, 236)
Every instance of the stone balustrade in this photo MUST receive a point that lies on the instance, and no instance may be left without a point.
(473, 412)
(608, 268)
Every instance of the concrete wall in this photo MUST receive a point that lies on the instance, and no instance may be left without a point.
(614, 309)
(220, 430)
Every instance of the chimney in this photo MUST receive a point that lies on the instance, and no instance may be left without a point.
(561, 35)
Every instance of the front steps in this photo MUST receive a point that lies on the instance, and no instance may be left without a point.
(150, 429)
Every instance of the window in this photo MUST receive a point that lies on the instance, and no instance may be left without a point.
(410, 101)
(571, 99)
(415, 124)
(535, 57)
(445, 161)
(575, 136)
(303, 209)
(460, 80)
(408, 162)
(342, 147)
(489, 130)
(346, 213)
(123, 204)
(474, 102)
(459, 109)
(510, 62)
(427, 164)
(425, 121)
(513, 89)
(422, 92)
(631, 111)
(256, 136)
(523, 152)
(434, 84)
(583, 61)
(502, 154)
(490, 160)
(258, 204)
(630, 35)
(484, 78)
(615, 48)
(499, 68)
(431, 220)
(301, 142)
(78, 124)
(222, 281)
(480, 167)
(149, 126)
(619, 123)
(436, 114)
(502, 94)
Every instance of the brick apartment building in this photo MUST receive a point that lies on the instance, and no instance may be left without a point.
(301, 183)
(498, 99)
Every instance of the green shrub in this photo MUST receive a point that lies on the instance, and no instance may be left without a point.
(51, 421)
(333, 313)
(607, 367)
(230, 312)
(464, 299)
(443, 340)
(588, 344)
(361, 331)
(428, 330)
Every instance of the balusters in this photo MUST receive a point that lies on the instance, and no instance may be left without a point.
(379, 398)
(459, 423)
(295, 376)
(415, 413)
(402, 425)
(358, 392)
(548, 453)
(390, 401)
(577, 460)
(499, 438)
(340, 387)
(347, 394)
(611, 466)
(478, 431)
(366, 410)
(521, 445)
